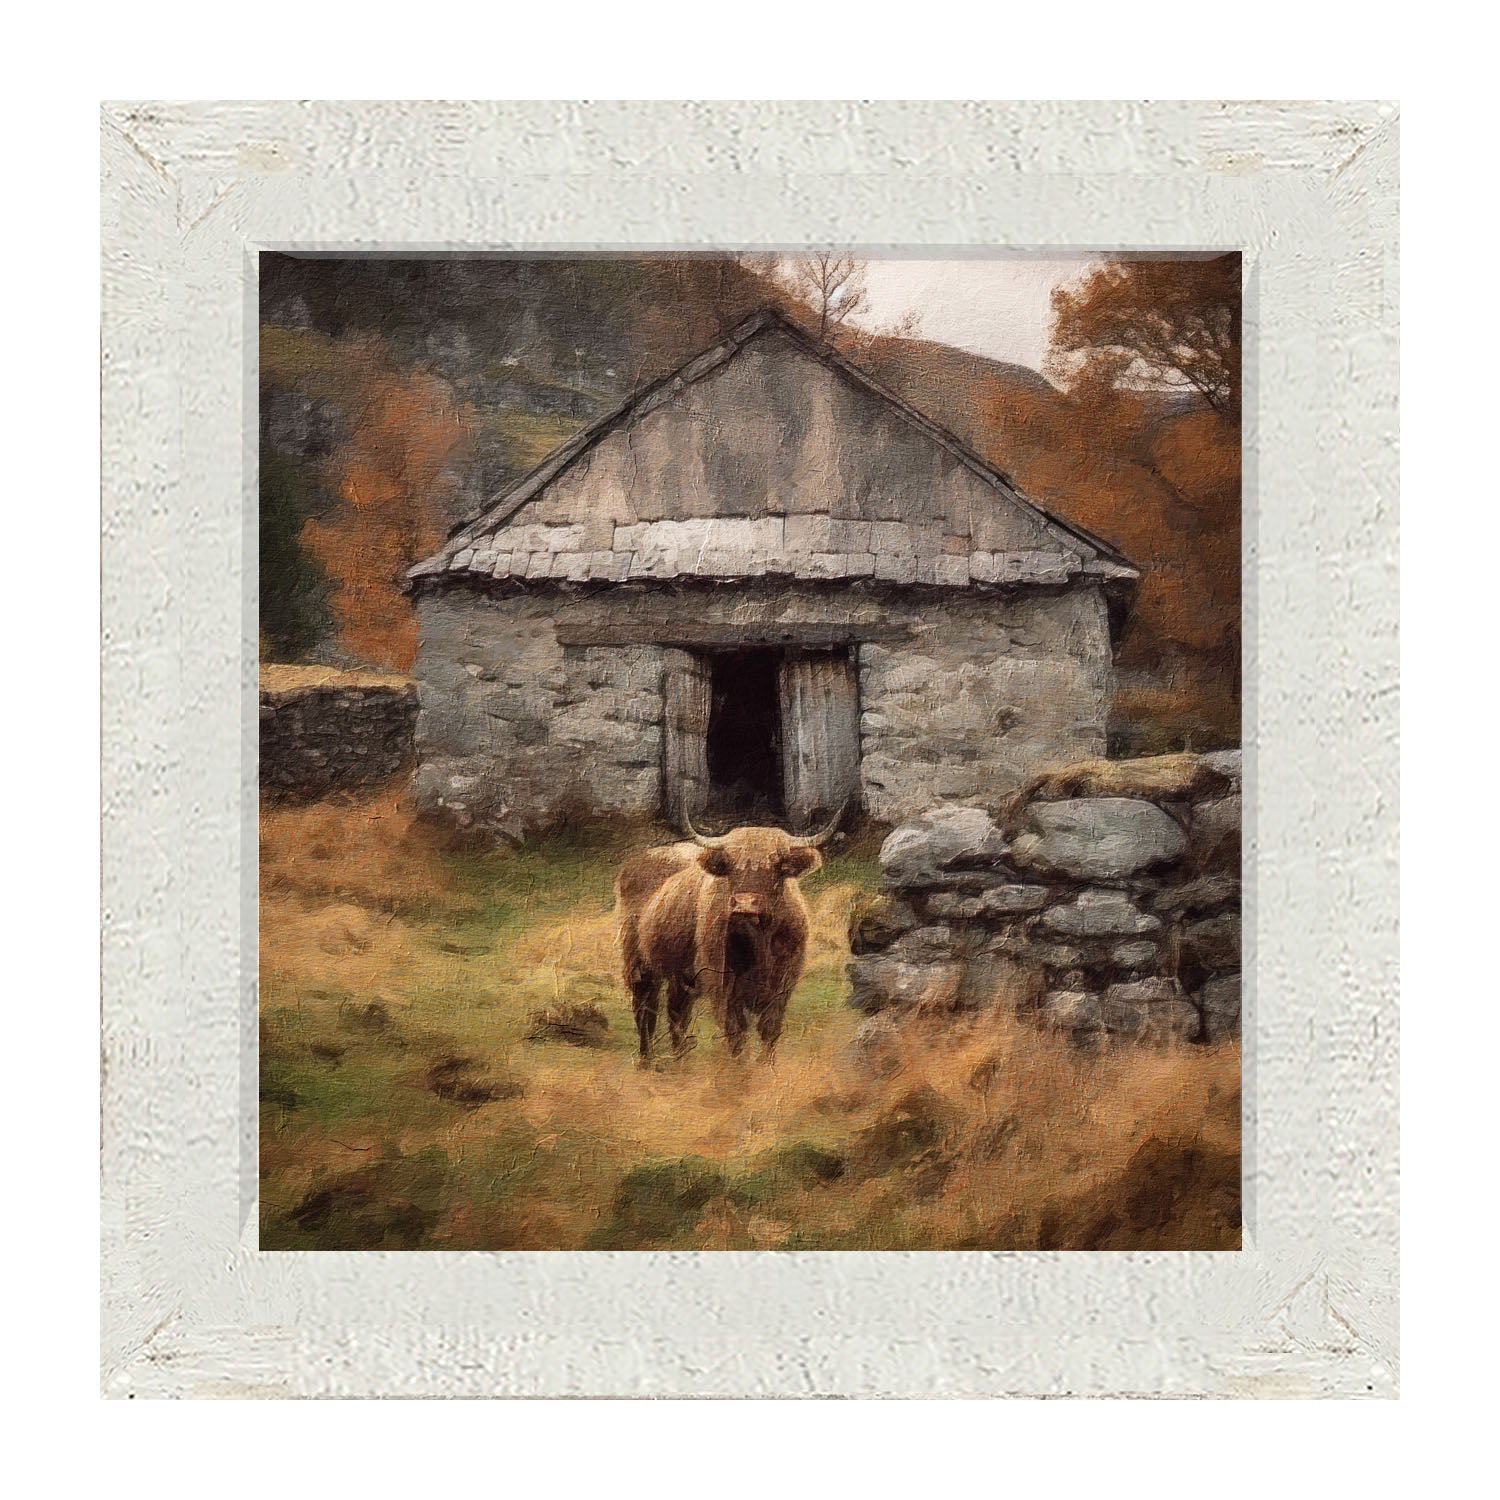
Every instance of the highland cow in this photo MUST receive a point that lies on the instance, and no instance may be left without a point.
(721, 918)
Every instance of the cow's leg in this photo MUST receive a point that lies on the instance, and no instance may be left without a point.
(769, 1019)
(644, 992)
(768, 1027)
(736, 1021)
(679, 1012)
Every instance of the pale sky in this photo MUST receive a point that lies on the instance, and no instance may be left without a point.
(999, 305)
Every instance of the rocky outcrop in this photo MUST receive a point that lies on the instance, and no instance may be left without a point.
(1107, 918)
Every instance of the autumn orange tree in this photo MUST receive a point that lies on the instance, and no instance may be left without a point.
(1167, 323)
(1142, 445)
(394, 477)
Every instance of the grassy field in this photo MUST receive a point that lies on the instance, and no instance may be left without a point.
(411, 1098)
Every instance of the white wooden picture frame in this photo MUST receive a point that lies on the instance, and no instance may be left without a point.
(191, 193)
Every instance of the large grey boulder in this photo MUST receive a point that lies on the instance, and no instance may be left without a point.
(948, 839)
(1098, 838)
(881, 981)
(1101, 913)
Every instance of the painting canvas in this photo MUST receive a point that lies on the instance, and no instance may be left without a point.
(749, 751)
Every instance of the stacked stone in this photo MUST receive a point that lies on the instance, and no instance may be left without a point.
(519, 731)
(610, 704)
(319, 740)
(1100, 916)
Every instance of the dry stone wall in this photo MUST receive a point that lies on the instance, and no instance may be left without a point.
(1103, 903)
(336, 734)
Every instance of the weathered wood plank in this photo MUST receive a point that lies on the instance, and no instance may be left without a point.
(688, 694)
(820, 734)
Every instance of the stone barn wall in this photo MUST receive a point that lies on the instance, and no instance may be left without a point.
(517, 729)
(324, 732)
(546, 703)
(1105, 903)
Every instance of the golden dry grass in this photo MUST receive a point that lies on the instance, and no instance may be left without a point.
(404, 1106)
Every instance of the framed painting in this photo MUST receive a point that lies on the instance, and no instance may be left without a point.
(763, 720)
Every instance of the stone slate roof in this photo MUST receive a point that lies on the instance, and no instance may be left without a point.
(923, 509)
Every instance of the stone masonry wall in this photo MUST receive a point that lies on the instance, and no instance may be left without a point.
(968, 695)
(986, 692)
(1104, 902)
(336, 733)
(516, 729)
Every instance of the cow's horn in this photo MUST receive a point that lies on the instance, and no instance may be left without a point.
(826, 832)
(701, 839)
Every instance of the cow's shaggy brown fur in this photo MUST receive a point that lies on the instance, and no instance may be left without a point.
(727, 923)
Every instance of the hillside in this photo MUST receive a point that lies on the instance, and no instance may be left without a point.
(541, 347)
(951, 385)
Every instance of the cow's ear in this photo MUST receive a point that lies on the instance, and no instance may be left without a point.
(715, 862)
(801, 861)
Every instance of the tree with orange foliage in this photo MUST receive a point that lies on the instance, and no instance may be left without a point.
(1118, 452)
(393, 478)
(1167, 323)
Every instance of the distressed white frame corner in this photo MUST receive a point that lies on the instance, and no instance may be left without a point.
(191, 192)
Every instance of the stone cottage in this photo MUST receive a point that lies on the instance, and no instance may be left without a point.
(760, 588)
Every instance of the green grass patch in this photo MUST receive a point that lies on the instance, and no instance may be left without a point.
(443, 1054)
(571, 873)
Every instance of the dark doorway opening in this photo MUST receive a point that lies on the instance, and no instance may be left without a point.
(744, 738)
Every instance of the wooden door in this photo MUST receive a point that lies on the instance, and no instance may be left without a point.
(688, 694)
(819, 734)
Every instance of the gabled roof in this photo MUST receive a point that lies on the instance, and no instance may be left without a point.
(572, 533)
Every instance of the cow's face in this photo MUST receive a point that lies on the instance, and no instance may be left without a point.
(757, 863)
